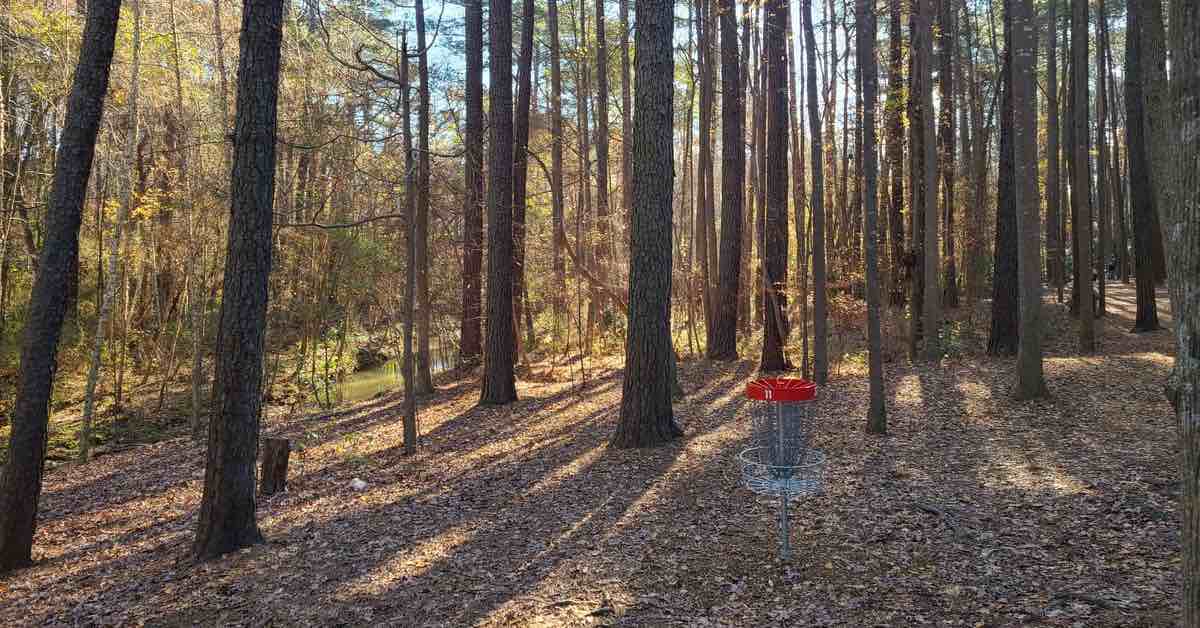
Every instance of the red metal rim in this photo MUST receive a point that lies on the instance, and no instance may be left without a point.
(783, 389)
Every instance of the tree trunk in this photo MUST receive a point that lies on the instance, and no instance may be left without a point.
(1081, 180)
(798, 193)
(521, 164)
(227, 507)
(704, 205)
(626, 120)
(274, 465)
(1030, 383)
(424, 375)
(603, 251)
(470, 347)
(1181, 217)
(932, 312)
(1141, 194)
(21, 483)
(947, 46)
(222, 83)
(916, 181)
(499, 383)
(410, 256)
(894, 119)
(876, 414)
(1102, 193)
(746, 92)
(110, 288)
(583, 207)
(646, 417)
(1154, 91)
(556, 165)
(775, 249)
(724, 337)
(820, 354)
(1055, 274)
(1003, 335)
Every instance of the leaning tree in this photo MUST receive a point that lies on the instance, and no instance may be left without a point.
(21, 483)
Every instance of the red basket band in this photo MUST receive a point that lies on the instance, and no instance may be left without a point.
(781, 389)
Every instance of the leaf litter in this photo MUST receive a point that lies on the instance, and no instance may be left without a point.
(976, 510)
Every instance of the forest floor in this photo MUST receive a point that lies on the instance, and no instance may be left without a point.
(974, 510)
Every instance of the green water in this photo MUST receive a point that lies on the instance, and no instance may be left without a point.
(367, 384)
(379, 380)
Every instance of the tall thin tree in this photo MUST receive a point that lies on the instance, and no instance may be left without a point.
(227, 507)
(1055, 273)
(110, 288)
(932, 313)
(470, 346)
(520, 162)
(1003, 333)
(424, 375)
(820, 337)
(724, 337)
(499, 381)
(1081, 181)
(1030, 382)
(775, 240)
(894, 121)
(556, 164)
(1141, 193)
(876, 413)
(21, 483)
(410, 252)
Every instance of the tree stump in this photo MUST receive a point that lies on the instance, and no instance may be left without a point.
(274, 465)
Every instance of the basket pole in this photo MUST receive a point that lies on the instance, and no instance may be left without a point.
(784, 542)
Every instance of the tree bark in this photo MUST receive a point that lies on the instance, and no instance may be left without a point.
(603, 251)
(1141, 193)
(1054, 246)
(21, 483)
(724, 338)
(820, 351)
(274, 465)
(556, 164)
(646, 417)
(1103, 201)
(932, 312)
(1154, 91)
(894, 119)
(1004, 332)
(1181, 218)
(1081, 181)
(227, 508)
(499, 383)
(876, 414)
(1030, 382)
(424, 375)
(775, 249)
(626, 119)
(410, 256)
(947, 47)
(521, 164)
(470, 335)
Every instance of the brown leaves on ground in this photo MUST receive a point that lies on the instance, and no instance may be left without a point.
(976, 510)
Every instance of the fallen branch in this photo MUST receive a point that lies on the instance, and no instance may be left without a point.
(1082, 597)
(934, 510)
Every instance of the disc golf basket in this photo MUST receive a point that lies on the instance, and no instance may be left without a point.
(781, 462)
